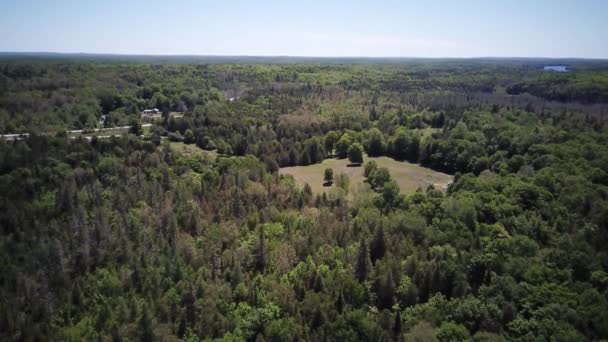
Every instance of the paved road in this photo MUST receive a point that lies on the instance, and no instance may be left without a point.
(19, 136)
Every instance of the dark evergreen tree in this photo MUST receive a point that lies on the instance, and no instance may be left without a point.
(363, 263)
(260, 255)
(145, 326)
(397, 324)
(378, 245)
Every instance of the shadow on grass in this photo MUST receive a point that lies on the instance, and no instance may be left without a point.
(354, 165)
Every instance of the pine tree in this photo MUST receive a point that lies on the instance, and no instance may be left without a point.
(115, 334)
(397, 324)
(146, 329)
(77, 299)
(172, 232)
(340, 302)
(193, 224)
(363, 262)
(318, 283)
(378, 245)
(260, 257)
(102, 317)
(236, 274)
(66, 196)
(237, 205)
(385, 290)
(181, 330)
(328, 176)
(318, 318)
(373, 115)
(188, 303)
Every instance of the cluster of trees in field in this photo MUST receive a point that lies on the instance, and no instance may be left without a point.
(127, 239)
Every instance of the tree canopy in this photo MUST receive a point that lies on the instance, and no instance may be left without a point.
(187, 229)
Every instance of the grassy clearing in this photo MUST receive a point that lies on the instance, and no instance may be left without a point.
(409, 176)
(191, 150)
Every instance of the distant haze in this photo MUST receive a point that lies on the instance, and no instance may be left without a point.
(380, 28)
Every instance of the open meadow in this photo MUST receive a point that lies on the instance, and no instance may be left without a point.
(409, 176)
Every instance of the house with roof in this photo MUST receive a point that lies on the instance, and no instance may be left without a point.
(151, 112)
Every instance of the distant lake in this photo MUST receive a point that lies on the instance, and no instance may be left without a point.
(558, 68)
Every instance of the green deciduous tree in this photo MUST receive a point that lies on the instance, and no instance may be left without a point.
(355, 153)
(369, 167)
(342, 181)
(330, 140)
(343, 145)
(449, 332)
(375, 143)
(378, 177)
(189, 137)
(390, 193)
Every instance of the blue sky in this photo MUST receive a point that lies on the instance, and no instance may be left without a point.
(423, 28)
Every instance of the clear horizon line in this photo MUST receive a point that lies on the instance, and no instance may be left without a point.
(291, 56)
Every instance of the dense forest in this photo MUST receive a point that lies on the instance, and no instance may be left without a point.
(125, 238)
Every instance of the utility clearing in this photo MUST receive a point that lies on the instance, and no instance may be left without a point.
(409, 176)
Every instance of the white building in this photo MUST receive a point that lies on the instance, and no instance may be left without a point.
(150, 112)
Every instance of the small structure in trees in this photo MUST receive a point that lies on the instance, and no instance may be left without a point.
(151, 112)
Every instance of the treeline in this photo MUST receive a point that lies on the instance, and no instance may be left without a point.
(585, 87)
(53, 95)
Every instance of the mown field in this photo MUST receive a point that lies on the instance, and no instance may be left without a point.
(409, 176)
